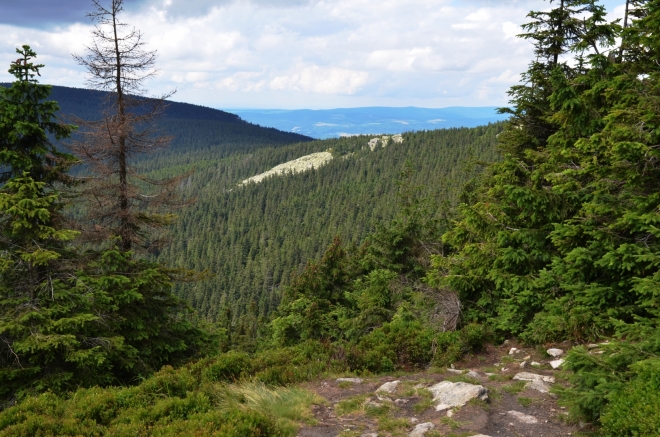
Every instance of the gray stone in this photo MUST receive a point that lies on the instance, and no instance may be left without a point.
(556, 364)
(555, 352)
(535, 382)
(460, 372)
(456, 394)
(353, 380)
(401, 401)
(388, 387)
(513, 350)
(421, 429)
(473, 374)
(370, 434)
(538, 385)
(521, 417)
(528, 376)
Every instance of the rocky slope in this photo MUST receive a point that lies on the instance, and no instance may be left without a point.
(503, 392)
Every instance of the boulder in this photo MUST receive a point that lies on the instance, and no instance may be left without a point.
(388, 387)
(521, 417)
(421, 429)
(456, 394)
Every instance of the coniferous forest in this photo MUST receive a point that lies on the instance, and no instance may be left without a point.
(144, 290)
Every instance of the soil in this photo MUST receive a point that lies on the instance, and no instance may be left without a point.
(491, 418)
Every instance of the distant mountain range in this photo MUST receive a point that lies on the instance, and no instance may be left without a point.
(192, 127)
(333, 123)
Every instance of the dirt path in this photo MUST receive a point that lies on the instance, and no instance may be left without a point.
(513, 408)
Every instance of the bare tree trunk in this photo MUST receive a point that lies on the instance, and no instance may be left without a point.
(118, 63)
(625, 26)
(123, 173)
(559, 30)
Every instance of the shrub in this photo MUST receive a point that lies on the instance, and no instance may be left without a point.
(634, 410)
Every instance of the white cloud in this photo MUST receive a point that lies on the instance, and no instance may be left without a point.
(320, 80)
(314, 53)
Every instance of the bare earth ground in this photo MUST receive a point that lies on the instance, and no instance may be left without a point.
(355, 409)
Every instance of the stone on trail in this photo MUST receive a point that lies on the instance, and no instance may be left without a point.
(388, 387)
(370, 434)
(555, 352)
(528, 376)
(456, 394)
(421, 429)
(473, 374)
(521, 417)
(535, 382)
(353, 380)
(556, 364)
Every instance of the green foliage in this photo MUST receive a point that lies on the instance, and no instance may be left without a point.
(172, 403)
(254, 237)
(634, 409)
(70, 318)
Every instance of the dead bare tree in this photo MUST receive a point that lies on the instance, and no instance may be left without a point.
(124, 203)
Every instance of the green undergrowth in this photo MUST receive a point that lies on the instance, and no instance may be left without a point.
(171, 403)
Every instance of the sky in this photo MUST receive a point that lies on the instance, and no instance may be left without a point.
(294, 54)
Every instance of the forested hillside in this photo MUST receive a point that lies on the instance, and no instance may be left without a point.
(191, 127)
(254, 237)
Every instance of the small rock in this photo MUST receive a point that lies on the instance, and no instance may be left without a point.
(489, 374)
(460, 372)
(414, 420)
(450, 413)
(473, 374)
(592, 345)
(456, 394)
(421, 429)
(521, 417)
(504, 369)
(373, 404)
(513, 350)
(528, 376)
(535, 382)
(370, 434)
(418, 386)
(383, 398)
(523, 364)
(535, 364)
(401, 401)
(528, 357)
(555, 352)
(538, 385)
(353, 380)
(556, 364)
(388, 387)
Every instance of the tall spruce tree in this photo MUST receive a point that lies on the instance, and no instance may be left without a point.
(67, 318)
(47, 338)
(501, 237)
